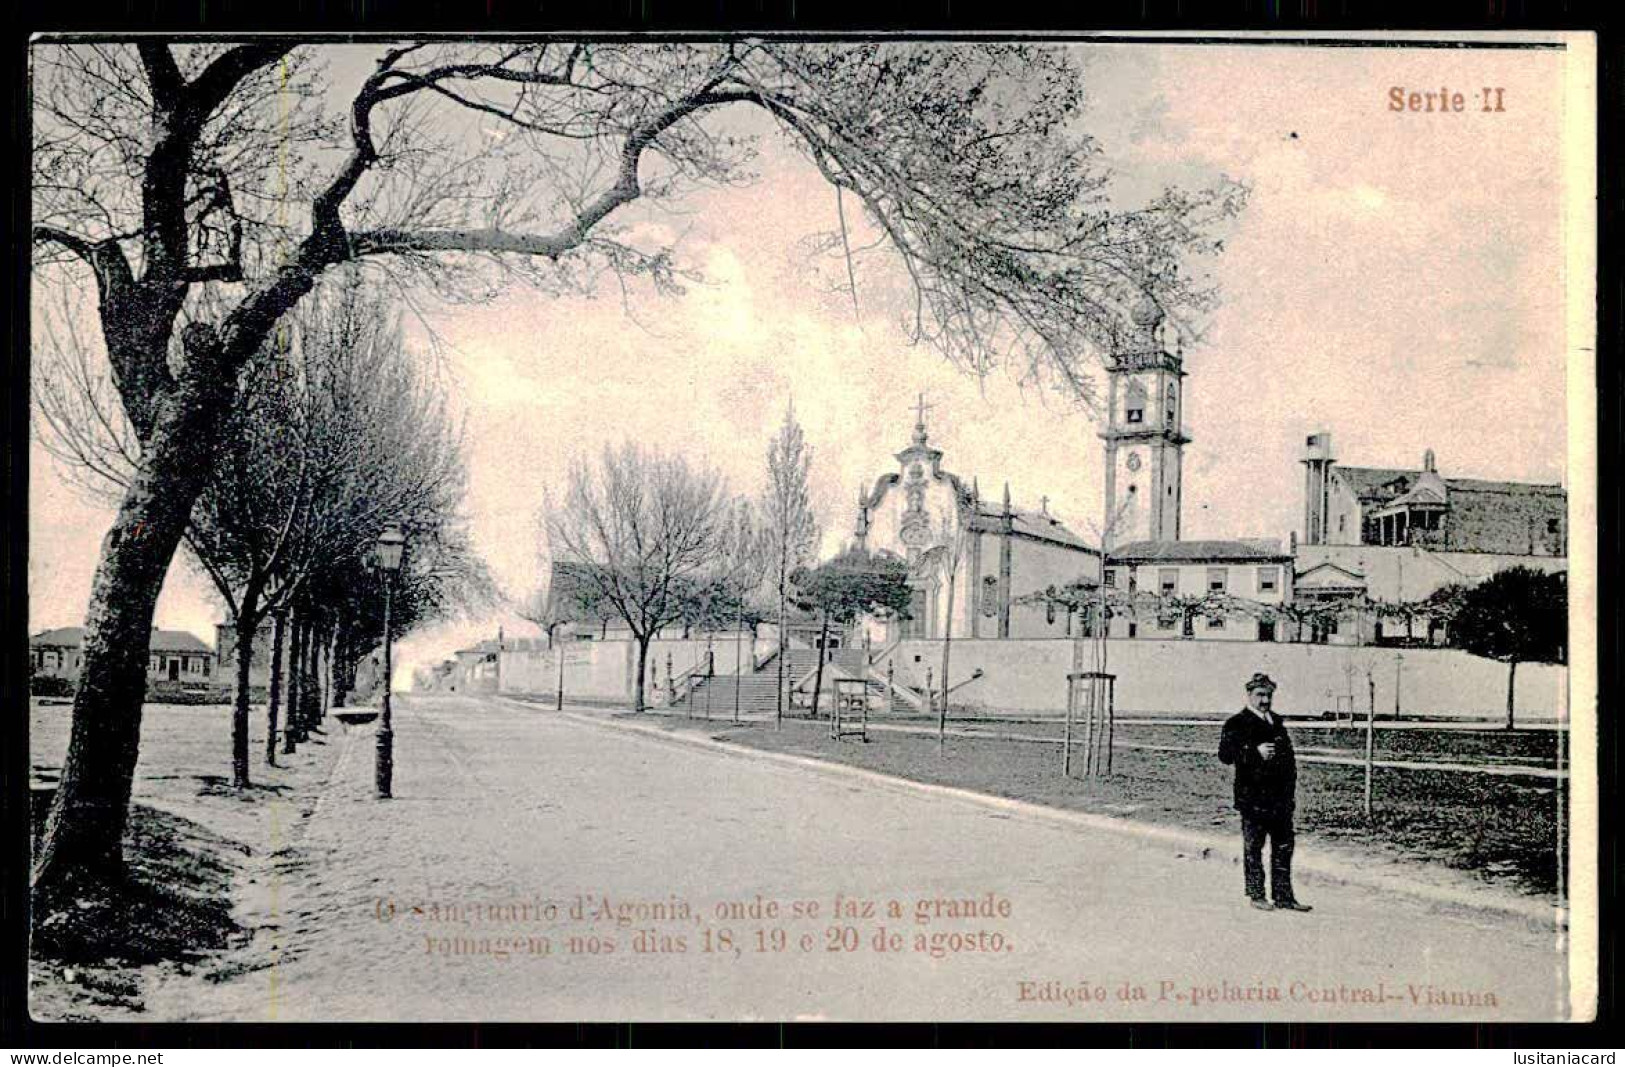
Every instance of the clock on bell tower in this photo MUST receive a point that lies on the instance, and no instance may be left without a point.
(1144, 441)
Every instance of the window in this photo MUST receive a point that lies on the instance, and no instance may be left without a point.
(1171, 420)
(1134, 402)
(1168, 581)
(1133, 579)
(1266, 629)
(1217, 579)
(990, 596)
(1109, 577)
(1551, 526)
(1267, 578)
(1215, 622)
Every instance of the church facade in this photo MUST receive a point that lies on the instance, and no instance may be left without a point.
(973, 563)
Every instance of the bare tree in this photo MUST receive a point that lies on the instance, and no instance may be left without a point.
(789, 527)
(645, 527)
(203, 190)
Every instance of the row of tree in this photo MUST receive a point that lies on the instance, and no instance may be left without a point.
(338, 432)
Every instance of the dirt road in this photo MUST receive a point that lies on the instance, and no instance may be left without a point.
(521, 846)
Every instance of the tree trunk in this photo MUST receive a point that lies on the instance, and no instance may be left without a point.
(344, 665)
(274, 697)
(947, 647)
(643, 669)
(180, 421)
(818, 677)
(778, 700)
(329, 650)
(1512, 689)
(248, 622)
(290, 734)
(307, 679)
(84, 832)
(739, 662)
(312, 686)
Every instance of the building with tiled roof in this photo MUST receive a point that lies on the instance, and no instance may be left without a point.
(1246, 551)
(1390, 507)
(1240, 583)
(172, 655)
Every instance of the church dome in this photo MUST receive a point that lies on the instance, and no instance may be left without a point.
(1147, 313)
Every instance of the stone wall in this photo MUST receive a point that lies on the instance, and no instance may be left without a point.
(1520, 522)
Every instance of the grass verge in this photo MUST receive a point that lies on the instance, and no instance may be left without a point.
(172, 906)
(1500, 830)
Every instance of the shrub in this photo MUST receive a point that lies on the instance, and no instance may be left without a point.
(50, 686)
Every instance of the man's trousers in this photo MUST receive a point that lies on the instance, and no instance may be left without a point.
(1256, 826)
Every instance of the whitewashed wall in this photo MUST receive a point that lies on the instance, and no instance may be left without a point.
(1204, 677)
(606, 670)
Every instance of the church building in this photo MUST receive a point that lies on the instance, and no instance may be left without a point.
(1372, 536)
(981, 555)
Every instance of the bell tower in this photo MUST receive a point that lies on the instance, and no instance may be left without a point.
(1144, 440)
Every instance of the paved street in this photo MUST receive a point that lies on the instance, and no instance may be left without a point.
(397, 911)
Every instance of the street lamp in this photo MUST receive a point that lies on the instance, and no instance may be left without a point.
(391, 546)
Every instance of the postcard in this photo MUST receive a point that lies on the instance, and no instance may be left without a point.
(1093, 527)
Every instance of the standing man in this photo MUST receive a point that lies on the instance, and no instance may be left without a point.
(1256, 743)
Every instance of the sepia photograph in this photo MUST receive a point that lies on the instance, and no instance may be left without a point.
(1092, 528)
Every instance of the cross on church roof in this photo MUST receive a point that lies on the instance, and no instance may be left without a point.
(919, 421)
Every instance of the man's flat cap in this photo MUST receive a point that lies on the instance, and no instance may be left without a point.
(1260, 681)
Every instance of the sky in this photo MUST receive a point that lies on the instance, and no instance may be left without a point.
(1396, 279)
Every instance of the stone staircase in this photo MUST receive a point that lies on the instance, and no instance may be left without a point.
(757, 690)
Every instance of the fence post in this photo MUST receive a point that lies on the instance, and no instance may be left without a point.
(1370, 737)
(1066, 743)
(1111, 720)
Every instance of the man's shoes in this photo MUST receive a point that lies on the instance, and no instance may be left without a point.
(1292, 905)
(1261, 904)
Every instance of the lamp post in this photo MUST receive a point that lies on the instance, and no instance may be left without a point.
(391, 545)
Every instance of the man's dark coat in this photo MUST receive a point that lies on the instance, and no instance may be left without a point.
(1264, 787)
